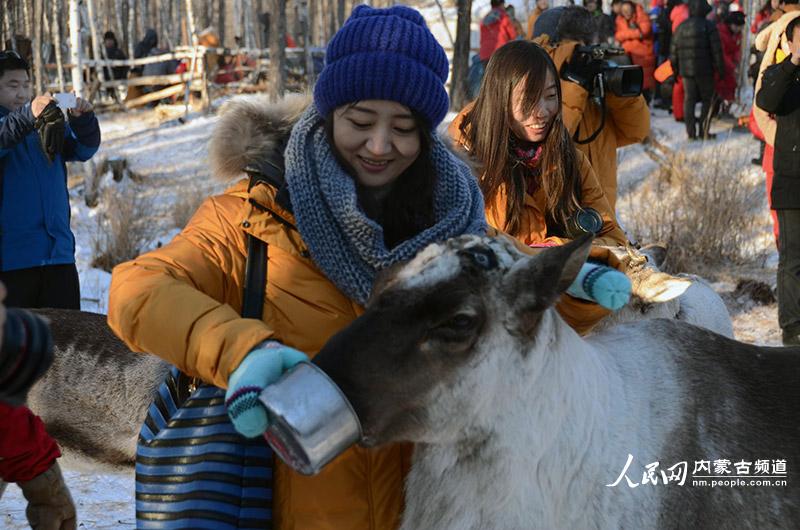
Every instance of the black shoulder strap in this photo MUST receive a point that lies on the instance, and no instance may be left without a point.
(255, 276)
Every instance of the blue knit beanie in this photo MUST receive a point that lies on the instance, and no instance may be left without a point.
(385, 54)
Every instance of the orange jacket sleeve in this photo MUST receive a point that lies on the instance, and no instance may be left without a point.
(629, 117)
(643, 21)
(169, 302)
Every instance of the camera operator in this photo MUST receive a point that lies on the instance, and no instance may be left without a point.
(37, 247)
(627, 119)
(27, 453)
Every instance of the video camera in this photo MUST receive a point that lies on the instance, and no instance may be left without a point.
(592, 68)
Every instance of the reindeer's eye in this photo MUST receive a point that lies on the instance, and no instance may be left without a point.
(461, 322)
(459, 330)
(484, 258)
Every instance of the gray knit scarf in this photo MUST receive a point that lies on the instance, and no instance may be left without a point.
(347, 245)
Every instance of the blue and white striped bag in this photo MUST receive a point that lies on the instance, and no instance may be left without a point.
(193, 470)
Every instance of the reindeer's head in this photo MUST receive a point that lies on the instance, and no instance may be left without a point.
(438, 327)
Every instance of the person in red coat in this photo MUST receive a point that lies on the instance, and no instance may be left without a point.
(730, 34)
(635, 33)
(678, 14)
(27, 453)
(497, 28)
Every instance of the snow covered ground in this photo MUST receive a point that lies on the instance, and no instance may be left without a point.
(169, 158)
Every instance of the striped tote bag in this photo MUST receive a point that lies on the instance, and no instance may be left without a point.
(193, 470)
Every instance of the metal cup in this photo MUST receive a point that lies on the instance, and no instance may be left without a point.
(311, 421)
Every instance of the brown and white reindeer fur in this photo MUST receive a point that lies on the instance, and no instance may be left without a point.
(519, 423)
(95, 396)
(655, 294)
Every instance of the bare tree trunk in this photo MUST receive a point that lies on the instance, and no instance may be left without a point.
(56, 28)
(311, 19)
(75, 47)
(332, 26)
(131, 27)
(222, 22)
(277, 51)
(444, 23)
(119, 26)
(339, 14)
(98, 52)
(26, 14)
(237, 21)
(193, 65)
(305, 22)
(36, 46)
(249, 28)
(3, 24)
(458, 81)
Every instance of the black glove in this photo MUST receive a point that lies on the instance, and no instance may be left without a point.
(51, 126)
(25, 354)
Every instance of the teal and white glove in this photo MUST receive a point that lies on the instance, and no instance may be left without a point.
(260, 368)
(601, 284)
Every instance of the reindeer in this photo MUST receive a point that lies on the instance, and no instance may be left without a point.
(520, 423)
(95, 396)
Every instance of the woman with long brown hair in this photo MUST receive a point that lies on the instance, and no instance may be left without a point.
(537, 186)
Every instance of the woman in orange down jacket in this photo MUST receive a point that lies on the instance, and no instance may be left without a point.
(635, 33)
(537, 186)
(366, 184)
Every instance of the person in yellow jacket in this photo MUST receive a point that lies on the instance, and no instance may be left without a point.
(541, 7)
(538, 188)
(627, 119)
(364, 184)
(535, 183)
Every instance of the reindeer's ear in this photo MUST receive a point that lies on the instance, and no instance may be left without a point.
(533, 284)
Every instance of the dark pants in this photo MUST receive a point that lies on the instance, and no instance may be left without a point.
(789, 271)
(48, 286)
(697, 89)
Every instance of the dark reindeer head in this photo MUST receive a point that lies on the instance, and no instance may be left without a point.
(438, 327)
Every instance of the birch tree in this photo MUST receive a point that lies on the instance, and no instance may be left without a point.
(277, 50)
(38, 70)
(458, 81)
(55, 27)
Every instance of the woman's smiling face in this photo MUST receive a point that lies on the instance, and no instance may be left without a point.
(534, 127)
(379, 139)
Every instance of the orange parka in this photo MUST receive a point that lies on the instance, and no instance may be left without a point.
(182, 302)
(627, 121)
(638, 43)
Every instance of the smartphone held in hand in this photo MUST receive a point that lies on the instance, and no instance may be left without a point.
(65, 100)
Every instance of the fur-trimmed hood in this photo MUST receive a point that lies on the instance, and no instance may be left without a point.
(249, 130)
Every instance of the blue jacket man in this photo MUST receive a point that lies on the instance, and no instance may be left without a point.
(37, 247)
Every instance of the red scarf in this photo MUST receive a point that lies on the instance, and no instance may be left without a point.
(529, 155)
